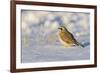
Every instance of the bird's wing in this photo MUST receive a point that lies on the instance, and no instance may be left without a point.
(72, 39)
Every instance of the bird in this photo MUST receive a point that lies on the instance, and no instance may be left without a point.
(67, 38)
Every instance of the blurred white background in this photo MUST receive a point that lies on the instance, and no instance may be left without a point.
(5, 36)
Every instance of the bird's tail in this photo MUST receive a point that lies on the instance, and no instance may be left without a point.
(79, 44)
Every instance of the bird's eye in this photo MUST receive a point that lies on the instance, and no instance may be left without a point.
(61, 28)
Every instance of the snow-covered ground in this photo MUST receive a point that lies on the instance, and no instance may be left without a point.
(49, 53)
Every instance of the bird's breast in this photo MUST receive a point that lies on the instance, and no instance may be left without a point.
(61, 39)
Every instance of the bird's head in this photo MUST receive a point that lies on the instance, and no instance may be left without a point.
(62, 28)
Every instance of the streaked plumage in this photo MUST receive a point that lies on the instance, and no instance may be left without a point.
(66, 38)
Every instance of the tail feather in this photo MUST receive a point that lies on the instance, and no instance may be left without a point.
(79, 44)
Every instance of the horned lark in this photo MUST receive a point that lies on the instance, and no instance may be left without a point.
(66, 38)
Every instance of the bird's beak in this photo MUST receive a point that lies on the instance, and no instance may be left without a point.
(60, 28)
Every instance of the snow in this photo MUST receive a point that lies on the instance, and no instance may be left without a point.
(54, 53)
